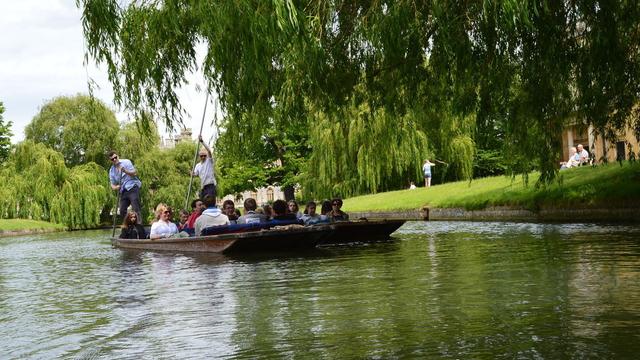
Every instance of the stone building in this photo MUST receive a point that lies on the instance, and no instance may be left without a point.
(598, 147)
(263, 196)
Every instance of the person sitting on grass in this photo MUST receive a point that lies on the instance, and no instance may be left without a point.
(163, 227)
(250, 215)
(336, 214)
(582, 155)
(212, 216)
(574, 160)
(131, 229)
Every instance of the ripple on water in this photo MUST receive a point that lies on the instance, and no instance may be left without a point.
(439, 289)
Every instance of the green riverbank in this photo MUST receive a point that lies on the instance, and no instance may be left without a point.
(609, 186)
(23, 227)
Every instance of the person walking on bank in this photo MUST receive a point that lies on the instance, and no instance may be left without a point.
(124, 178)
(205, 170)
(426, 170)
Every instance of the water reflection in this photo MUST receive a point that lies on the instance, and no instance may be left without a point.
(460, 290)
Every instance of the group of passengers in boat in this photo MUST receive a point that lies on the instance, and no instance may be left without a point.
(204, 213)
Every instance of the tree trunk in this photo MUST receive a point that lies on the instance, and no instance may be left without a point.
(289, 193)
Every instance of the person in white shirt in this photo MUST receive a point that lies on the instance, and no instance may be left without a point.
(205, 169)
(163, 227)
(212, 216)
(583, 155)
(573, 160)
(426, 170)
(412, 186)
(310, 216)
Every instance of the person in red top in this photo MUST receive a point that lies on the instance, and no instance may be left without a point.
(198, 207)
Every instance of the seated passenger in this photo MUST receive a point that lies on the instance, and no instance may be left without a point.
(229, 209)
(280, 211)
(212, 216)
(163, 227)
(250, 215)
(184, 218)
(336, 214)
(294, 209)
(131, 229)
(197, 207)
(325, 209)
(310, 216)
(268, 211)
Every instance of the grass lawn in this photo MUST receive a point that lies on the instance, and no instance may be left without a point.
(22, 224)
(602, 186)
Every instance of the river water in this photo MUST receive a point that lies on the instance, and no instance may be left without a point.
(439, 289)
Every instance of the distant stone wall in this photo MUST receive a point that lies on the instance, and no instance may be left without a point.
(626, 214)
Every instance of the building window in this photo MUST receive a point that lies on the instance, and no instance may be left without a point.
(620, 151)
(270, 194)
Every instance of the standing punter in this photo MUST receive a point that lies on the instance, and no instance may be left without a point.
(205, 170)
(124, 178)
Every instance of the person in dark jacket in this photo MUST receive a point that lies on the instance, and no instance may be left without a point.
(131, 229)
(280, 211)
(336, 214)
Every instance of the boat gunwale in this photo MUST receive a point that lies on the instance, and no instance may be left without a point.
(229, 236)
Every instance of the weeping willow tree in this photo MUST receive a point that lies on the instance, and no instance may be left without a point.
(39, 186)
(492, 73)
(79, 201)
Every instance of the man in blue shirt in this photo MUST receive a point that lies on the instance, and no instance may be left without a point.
(124, 178)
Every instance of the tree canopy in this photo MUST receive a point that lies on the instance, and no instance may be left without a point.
(380, 85)
(38, 185)
(83, 129)
(5, 136)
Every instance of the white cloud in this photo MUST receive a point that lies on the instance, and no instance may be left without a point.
(41, 57)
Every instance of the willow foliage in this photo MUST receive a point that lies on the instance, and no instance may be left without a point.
(39, 186)
(81, 128)
(79, 201)
(511, 73)
(5, 136)
(165, 175)
(373, 151)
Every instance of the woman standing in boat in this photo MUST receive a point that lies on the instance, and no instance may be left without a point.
(131, 229)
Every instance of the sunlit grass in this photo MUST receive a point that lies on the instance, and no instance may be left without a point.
(604, 185)
(22, 224)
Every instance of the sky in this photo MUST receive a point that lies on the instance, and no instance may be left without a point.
(41, 58)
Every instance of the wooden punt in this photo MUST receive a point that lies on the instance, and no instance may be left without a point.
(360, 231)
(288, 238)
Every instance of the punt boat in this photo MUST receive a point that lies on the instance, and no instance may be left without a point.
(276, 238)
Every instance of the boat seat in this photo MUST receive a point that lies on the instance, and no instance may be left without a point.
(272, 223)
(232, 228)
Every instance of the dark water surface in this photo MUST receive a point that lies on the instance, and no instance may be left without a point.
(439, 290)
